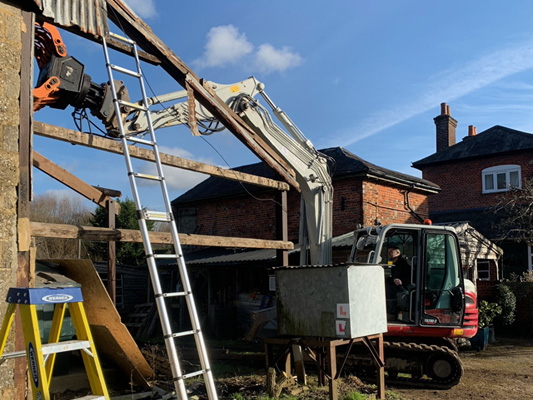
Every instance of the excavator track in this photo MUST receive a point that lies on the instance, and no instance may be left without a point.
(415, 365)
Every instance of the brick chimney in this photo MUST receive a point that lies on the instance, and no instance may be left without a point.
(445, 128)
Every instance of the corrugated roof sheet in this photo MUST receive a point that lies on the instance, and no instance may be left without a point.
(90, 16)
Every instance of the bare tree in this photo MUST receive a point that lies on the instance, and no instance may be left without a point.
(60, 210)
(515, 211)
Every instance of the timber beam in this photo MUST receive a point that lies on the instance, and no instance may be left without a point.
(91, 233)
(69, 180)
(112, 146)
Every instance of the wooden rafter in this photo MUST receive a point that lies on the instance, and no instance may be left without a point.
(70, 180)
(91, 233)
(100, 143)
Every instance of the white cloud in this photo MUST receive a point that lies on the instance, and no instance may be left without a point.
(143, 8)
(225, 45)
(269, 59)
(447, 86)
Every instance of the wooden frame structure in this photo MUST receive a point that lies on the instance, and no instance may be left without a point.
(323, 353)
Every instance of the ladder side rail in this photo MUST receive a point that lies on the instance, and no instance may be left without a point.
(91, 362)
(195, 321)
(55, 334)
(152, 266)
(6, 326)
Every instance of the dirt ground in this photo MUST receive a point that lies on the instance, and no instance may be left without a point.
(503, 371)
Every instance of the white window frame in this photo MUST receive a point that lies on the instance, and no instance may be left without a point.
(487, 262)
(500, 169)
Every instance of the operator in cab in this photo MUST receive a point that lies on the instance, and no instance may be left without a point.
(400, 280)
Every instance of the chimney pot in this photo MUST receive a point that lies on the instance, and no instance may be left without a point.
(445, 125)
(472, 130)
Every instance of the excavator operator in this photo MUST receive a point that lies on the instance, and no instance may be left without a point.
(400, 281)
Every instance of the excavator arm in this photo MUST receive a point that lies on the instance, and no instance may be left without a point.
(311, 167)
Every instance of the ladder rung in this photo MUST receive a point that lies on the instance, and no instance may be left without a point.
(14, 354)
(156, 215)
(140, 141)
(68, 345)
(146, 176)
(165, 256)
(184, 333)
(125, 71)
(53, 348)
(174, 294)
(122, 38)
(192, 374)
(129, 104)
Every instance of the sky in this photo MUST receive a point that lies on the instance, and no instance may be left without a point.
(367, 76)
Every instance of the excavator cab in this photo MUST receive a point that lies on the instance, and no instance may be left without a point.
(424, 284)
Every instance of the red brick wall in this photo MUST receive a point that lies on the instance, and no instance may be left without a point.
(241, 216)
(245, 216)
(461, 182)
(386, 203)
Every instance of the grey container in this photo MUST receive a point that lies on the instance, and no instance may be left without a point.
(345, 301)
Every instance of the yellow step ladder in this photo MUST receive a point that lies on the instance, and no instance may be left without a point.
(41, 357)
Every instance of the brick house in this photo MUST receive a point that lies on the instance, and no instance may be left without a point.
(238, 281)
(363, 193)
(473, 174)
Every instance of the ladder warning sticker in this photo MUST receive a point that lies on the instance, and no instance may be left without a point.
(343, 310)
(33, 365)
(340, 327)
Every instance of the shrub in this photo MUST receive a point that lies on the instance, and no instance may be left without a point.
(487, 313)
(507, 300)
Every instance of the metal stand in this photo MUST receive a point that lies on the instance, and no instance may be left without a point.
(323, 352)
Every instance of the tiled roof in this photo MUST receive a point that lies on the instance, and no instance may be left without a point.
(347, 164)
(495, 140)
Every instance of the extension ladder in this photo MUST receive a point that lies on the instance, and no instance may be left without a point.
(145, 215)
(41, 357)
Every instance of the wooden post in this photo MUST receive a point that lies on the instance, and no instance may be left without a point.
(299, 367)
(332, 368)
(24, 267)
(111, 254)
(381, 369)
(282, 230)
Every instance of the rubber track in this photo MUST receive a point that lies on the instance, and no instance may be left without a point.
(405, 351)
(431, 351)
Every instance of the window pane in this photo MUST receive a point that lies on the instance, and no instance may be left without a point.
(514, 179)
(489, 182)
(500, 179)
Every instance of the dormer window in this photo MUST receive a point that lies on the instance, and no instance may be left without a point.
(501, 178)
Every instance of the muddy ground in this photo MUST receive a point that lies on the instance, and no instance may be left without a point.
(503, 371)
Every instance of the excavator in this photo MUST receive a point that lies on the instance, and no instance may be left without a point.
(436, 305)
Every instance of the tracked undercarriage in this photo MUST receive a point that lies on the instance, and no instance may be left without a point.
(413, 364)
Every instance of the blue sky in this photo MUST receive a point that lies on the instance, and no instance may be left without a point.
(368, 76)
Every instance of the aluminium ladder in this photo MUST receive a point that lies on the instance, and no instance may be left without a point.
(41, 357)
(143, 216)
